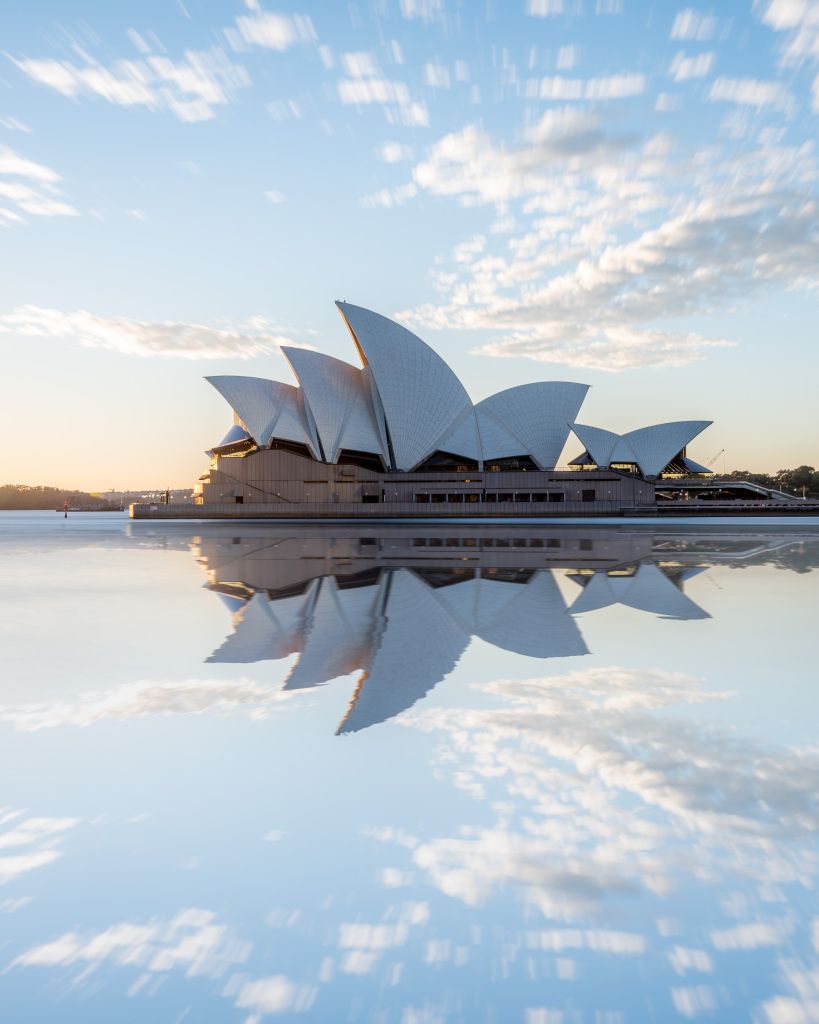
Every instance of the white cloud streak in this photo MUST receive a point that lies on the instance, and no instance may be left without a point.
(38, 195)
(691, 25)
(146, 338)
(607, 87)
(751, 92)
(684, 68)
(190, 88)
(269, 30)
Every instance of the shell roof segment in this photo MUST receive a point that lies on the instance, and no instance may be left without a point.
(538, 415)
(651, 448)
(421, 396)
(267, 408)
(337, 398)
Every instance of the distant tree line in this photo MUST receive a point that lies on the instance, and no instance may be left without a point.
(21, 496)
(790, 480)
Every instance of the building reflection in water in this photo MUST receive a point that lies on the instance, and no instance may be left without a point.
(401, 607)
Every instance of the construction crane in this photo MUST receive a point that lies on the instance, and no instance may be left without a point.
(713, 459)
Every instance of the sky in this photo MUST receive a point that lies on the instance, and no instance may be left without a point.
(615, 192)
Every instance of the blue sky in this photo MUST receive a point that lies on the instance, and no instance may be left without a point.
(608, 191)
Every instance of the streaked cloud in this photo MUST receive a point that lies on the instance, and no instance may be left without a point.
(15, 125)
(144, 337)
(607, 87)
(752, 92)
(366, 85)
(394, 152)
(38, 195)
(618, 233)
(799, 20)
(269, 30)
(698, 66)
(437, 76)
(190, 88)
(427, 11)
(275, 994)
(690, 24)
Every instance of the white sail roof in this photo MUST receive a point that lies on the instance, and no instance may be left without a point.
(538, 415)
(337, 398)
(464, 438)
(599, 443)
(650, 448)
(421, 396)
(654, 447)
(268, 409)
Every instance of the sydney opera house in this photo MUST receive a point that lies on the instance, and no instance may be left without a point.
(399, 434)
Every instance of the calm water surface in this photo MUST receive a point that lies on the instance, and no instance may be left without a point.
(413, 775)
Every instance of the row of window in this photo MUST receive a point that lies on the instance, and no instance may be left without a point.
(496, 542)
(436, 497)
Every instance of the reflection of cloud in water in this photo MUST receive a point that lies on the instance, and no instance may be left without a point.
(147, 697)
(598, 796)
(34, 842)
(363, 943)
(192, 942)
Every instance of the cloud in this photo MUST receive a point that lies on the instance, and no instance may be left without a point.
(393, 96)
(135, 700)
(437, 76)
(546, 8)
(469, 166)
(276, 994)
(752, 92)
(691, 25)
(427, 11)
(566, 58)
(683, 68)
(190, 88)
(269, 30)
(693, 1000)
(394, 152)
(752, 935)
(609, 87)
(274, 196)
(38, 195)
(620, 234)
(610, 349)
(14, 125)
(799, 19)
(146, 338)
